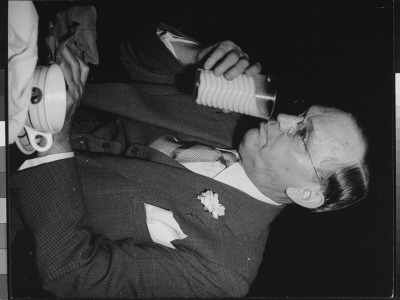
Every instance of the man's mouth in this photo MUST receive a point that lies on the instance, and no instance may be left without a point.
(264, 130)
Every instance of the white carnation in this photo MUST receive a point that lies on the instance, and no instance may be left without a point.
(211, 203)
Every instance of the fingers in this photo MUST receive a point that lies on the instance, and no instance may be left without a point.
(221, 50)
(51, 43)
(237, 69)
(253, 69)
(70, 67)
(75, 71)
(228, 59)
(231, 60)
(84, 70)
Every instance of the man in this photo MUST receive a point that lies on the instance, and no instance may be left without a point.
(96, 219)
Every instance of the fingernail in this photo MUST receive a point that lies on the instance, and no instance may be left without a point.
(208, 65)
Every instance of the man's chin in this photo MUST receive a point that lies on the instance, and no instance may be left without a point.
(250, 143)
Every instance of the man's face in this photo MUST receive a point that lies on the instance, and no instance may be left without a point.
(274, 155)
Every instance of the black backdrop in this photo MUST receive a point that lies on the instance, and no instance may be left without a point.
(335, 53)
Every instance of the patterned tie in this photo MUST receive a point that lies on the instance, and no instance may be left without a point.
(192, 152)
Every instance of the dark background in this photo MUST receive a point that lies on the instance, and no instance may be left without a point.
(334, 53)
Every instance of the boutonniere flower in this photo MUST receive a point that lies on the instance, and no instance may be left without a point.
(211, 203)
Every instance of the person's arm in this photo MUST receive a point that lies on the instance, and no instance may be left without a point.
(147, 59)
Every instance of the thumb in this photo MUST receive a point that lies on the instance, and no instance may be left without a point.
(51, 43)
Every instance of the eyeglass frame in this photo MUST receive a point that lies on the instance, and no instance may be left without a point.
(305, 144)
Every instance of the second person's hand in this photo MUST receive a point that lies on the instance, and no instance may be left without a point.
(75, 73)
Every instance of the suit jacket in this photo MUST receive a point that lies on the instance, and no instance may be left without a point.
(88, 219)
(89, 224)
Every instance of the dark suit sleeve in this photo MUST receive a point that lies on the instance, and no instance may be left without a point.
(147, 59)
(74, 261)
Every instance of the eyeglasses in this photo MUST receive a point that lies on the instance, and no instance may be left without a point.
(300, 129)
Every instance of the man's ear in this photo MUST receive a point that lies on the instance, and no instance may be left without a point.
(305, 197)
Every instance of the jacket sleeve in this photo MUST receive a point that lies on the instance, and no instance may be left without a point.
(146, 58)
(74, 261)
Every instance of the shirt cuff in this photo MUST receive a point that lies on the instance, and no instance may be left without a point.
(45, 159)
(167, 37)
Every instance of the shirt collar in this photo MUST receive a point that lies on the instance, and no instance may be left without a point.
(236, 177)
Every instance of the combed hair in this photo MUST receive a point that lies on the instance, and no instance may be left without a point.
(343, 186)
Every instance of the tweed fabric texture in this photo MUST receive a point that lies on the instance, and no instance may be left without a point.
(103, 247)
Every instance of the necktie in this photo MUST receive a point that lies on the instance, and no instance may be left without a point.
(192, 152)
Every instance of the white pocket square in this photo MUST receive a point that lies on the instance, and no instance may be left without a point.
(162, 226)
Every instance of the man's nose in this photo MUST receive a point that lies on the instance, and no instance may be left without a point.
(287, 121)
